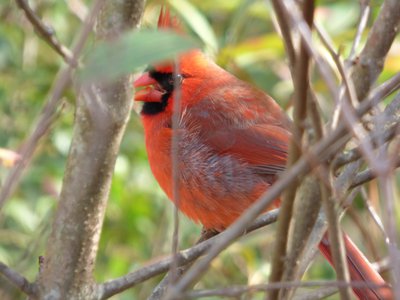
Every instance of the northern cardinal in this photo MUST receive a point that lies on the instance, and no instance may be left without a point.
(233, 143)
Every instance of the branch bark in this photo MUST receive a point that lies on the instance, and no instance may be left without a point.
(112, 287)
(372, 58)
(18, 280)
(47, 33)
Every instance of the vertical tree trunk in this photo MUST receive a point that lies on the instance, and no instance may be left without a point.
(102, 111)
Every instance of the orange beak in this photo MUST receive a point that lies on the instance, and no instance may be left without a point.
(149, 94)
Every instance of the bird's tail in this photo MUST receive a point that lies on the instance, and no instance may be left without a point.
(360, 270)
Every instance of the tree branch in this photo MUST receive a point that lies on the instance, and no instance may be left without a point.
(47, 34)
(182, 258)
(371, 60)
(238, 291)
(18, 280)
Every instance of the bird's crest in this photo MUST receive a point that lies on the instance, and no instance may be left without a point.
(165, 21)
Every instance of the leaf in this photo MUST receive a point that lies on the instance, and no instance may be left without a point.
(112, 59)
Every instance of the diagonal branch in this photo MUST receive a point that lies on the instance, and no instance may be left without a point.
(18, 280)
(371, 60)
(47, 33)
(182, 258)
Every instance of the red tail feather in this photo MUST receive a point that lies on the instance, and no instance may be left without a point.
(360, 270)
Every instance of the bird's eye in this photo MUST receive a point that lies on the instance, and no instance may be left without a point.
(177, 79)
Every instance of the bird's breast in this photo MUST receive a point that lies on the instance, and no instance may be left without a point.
(214, 188)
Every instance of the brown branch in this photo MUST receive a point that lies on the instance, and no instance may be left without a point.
(184, 257)
(238, 291)
(160, 290)
(301, 83)
(365, 10)
(371, 60)
(317, 294)
(174, 273)
(47, 34)
(365, 232)
(306, 211)
(355, 153)
(285, 31)
(387, 184)
(376, 137)
(102, 112)
(367, 175)
(18, 280)
(374, 215)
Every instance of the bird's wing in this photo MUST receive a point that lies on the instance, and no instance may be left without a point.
(262, 146)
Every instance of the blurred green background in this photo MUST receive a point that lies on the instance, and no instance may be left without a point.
(240, 35)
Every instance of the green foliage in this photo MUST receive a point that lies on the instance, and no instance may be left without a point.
(138, 223)
(134, 49)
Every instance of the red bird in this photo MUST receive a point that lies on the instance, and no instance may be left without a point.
(233, 143)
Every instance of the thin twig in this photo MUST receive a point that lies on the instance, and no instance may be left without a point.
(365, 232)
(18, 280)
(355, 154)
(374, 215)
(162, 287)
(285, 31)
(237, 291)
(175, 153)
(47, 34)
(362, 24)
(366, 176)
(388, 190)
(317, 294)
(381, 36)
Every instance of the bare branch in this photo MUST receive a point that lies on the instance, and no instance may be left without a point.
(374, 215)
(365, 10)
(387, 183)
(371, 60)
(184, 257)
(306, 212)
(18, 280)
(355, 153)
(285, 31)
(47, 34)
(237, 291)
(174, 273)
(161, 289)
